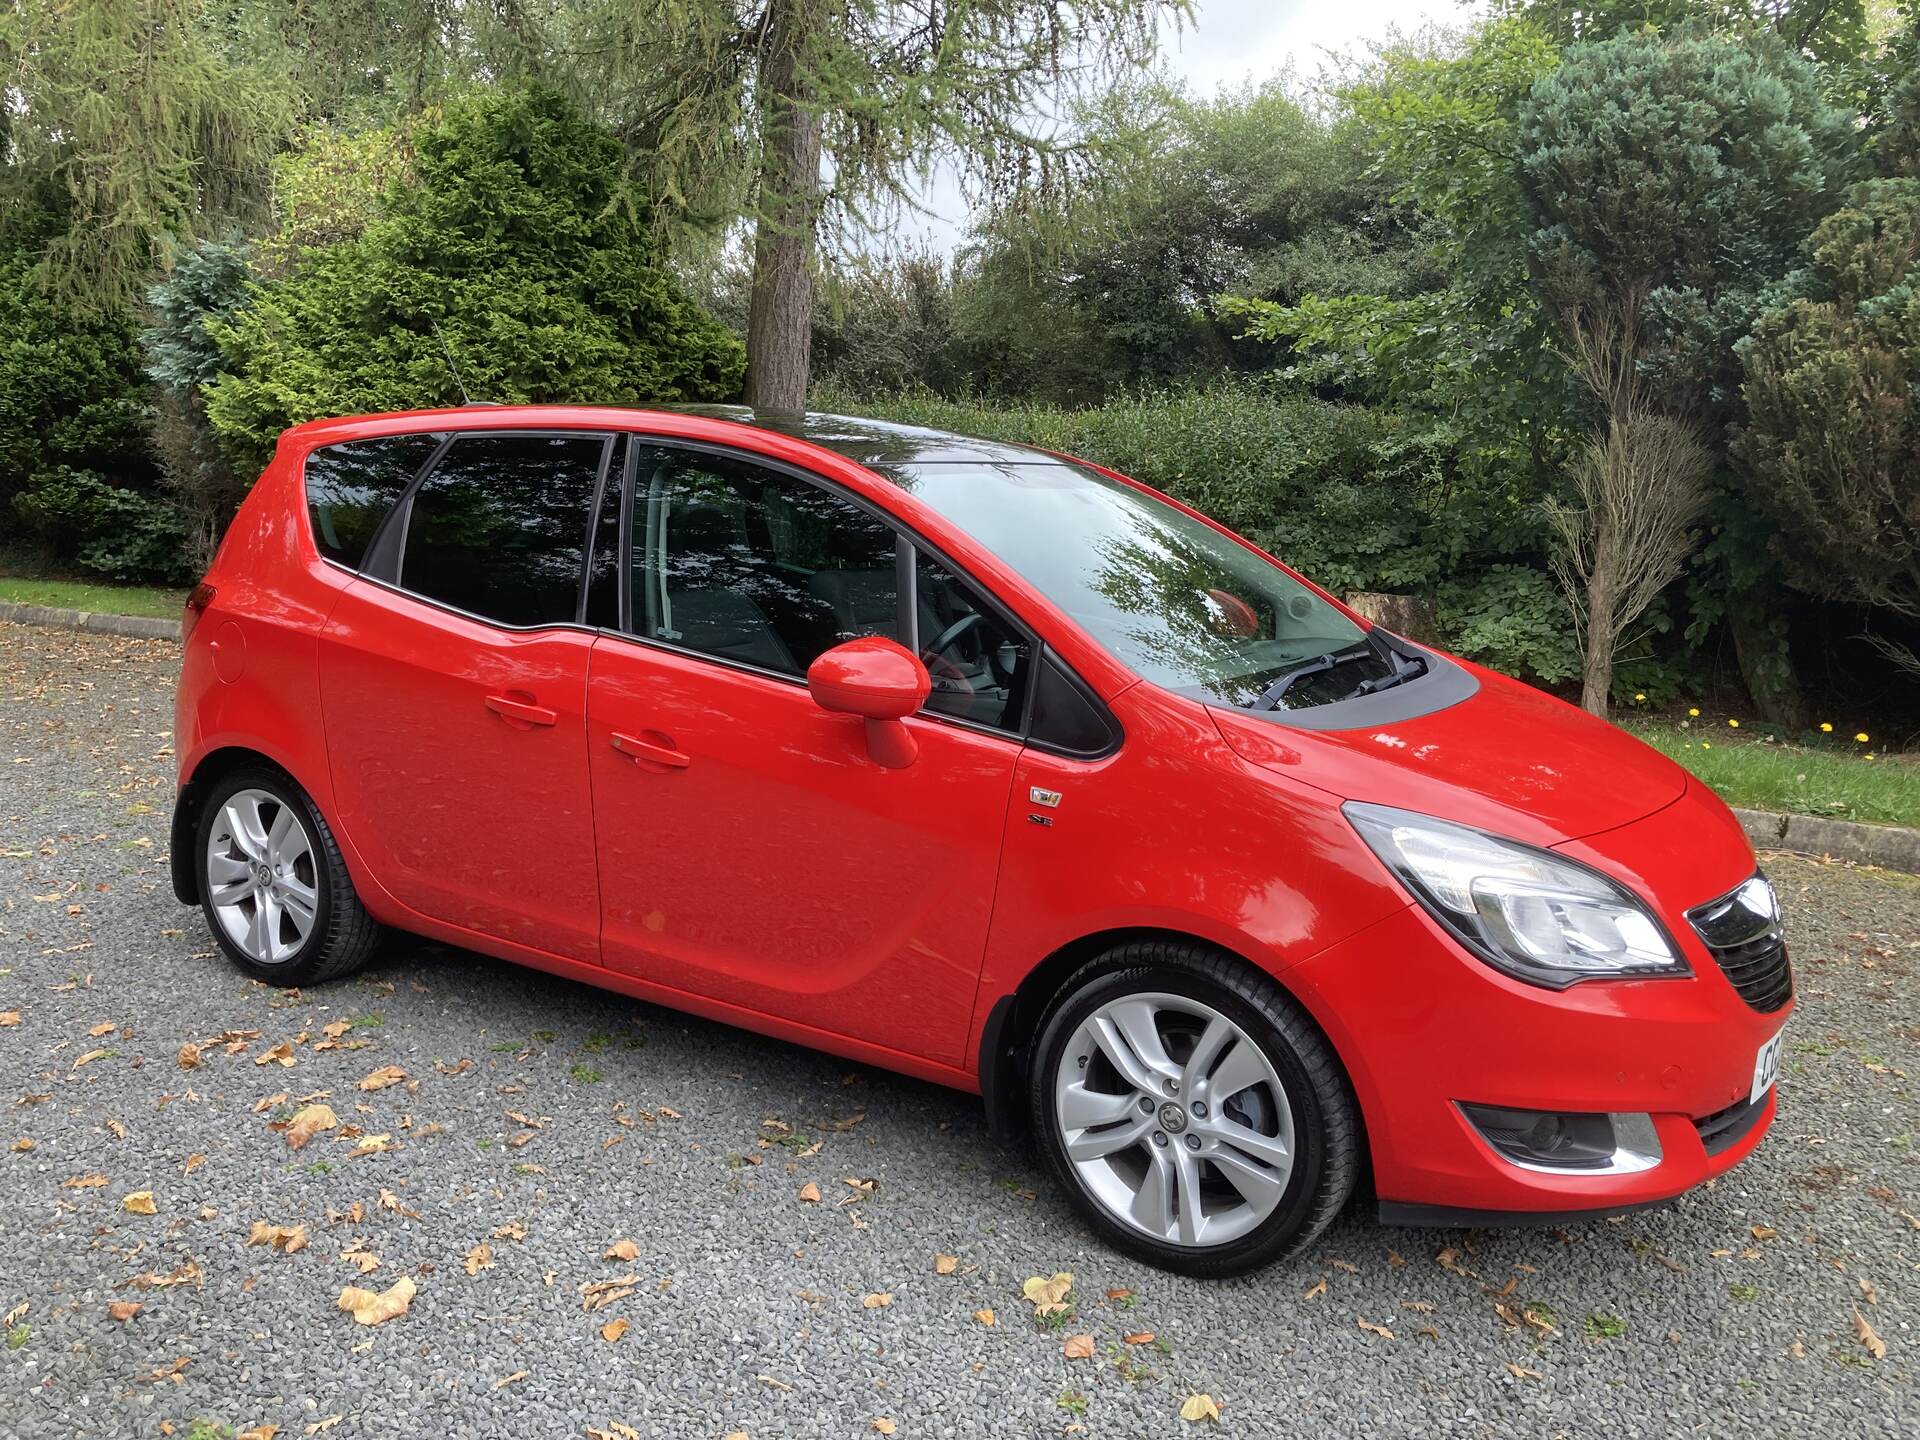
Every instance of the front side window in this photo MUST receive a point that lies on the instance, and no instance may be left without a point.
(977, 662)
(351, 487)
(499, 529)
(1172, 598)
(749, 564)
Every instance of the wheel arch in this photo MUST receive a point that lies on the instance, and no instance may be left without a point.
(1013, 1023)
(208, 771)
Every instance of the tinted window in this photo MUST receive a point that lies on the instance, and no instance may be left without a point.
(500, 526)
(603, 559)
(350, 489)
(978, 663)
(750, 564)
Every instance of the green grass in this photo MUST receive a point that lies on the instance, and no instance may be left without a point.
(103, 599)
(1834, 780)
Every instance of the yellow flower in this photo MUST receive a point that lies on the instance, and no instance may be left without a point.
(1639, 698)
(1734, 724)
(1825, 728)
(1706, 745)
(1861, 738)
(1869, 755)
(1693, 711)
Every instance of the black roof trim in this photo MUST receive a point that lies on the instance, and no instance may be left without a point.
(877, 443)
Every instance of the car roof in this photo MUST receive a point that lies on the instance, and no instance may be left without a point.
(876, 444)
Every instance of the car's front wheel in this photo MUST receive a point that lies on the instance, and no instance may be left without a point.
(274, 886)
(1194, 1114)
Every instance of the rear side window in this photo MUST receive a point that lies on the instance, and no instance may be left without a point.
(351, 487)
(499, 529)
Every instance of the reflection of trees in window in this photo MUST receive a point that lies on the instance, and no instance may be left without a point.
(351, 487)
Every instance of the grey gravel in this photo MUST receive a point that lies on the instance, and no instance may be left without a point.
(747, 1313)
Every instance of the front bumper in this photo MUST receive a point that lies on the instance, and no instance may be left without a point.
(1423, 1026)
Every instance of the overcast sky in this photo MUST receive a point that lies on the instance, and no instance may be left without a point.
(1229, 42)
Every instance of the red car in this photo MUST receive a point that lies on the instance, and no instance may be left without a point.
(986, 765)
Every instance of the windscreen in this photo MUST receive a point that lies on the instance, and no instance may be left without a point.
(1174, 599)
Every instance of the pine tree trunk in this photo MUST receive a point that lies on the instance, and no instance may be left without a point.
(780, 314)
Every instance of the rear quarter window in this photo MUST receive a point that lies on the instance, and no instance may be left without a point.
(351, 487)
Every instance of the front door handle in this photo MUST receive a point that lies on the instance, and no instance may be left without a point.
(508, 708)
(640, 749)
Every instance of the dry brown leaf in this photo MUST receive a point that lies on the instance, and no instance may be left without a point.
(368, 1308)
(391, 1201)
(1049, 1297)
(1316, 1290)
(383, 1077)
(1372, 1329)
(140, 1202)
(334, 1029)
(1867, 1292)
(613, 1330)
(1521, 1372)
(371, 1145)
(189, 1056)
(9, 1018)
(1078, 1347)
(883, 1425)
(1765, 1232)
(287, 1239)
(622, 1250)
(879, 1300)
(84, 1182)
(362, 1258)
(281, 1054)
(1869, 1338)
(22, 1145)
(514, 1379)
(810, 1193)
(479, 1258)
(1199, 1407)
(89, 1058)
(1138, 1337)
(259, 1432)
(309, 1122)
(984, 1317)
(125, 1309)
(12, 1317)
(512, 1230)
(945, 1264)
(105, 1027)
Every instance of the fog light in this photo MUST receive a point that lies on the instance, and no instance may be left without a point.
(1563, 1140)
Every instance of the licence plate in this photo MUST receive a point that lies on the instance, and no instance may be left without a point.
(1766, 1066)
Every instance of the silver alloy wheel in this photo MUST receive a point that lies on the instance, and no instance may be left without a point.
(260, 876)
(1174, 1119)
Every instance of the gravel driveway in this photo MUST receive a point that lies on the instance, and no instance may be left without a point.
(539, 1123)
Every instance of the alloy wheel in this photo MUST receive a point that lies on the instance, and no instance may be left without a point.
(1174, 1119)
(261, 880)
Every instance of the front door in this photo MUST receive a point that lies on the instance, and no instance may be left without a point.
(750, 850)
(455, 697)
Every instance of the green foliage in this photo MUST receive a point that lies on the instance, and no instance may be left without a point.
(1513, 618)
(1831, 441)
(327, 189)
(524, 243)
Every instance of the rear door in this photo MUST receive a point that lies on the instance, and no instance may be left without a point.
(453, 677)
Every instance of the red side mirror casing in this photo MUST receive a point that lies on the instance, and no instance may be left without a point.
(882, 682)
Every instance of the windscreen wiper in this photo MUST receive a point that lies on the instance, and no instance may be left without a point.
(1405, 668)
(1270, 697)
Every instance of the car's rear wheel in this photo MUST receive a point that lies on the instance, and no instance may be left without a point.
(274, 886)
(1196, 1116)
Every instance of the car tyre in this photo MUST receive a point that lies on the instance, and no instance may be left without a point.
(1222, 1177)
(294, 918)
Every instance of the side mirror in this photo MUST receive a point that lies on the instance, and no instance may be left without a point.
(880, 681)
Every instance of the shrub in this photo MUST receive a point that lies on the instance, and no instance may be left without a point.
(523, 250)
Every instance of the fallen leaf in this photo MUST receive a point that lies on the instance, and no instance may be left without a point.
(309, 1122)
(84, 1182)
(1198, 1408)
(383, 1077)
(1870, 1339)
(883, 1425)
(334, 1029)
(1521, 1372)
(189, 1056)
(22, 1145)
(1138, 1337)
(259, 1432)
(613, 1330)
(1049, 1297)
(371, 1145)
(361, 1258)
(12, 1317)
(514, 1379)
(945, 1264)
(879, 1300)
(9, 1018)
(368, 1308)
(281, 1054)
(105, 1027)
(391, 1201)
(1372, 1329)
(984, 1317)
(1867, 1292)
(1078, 1347)
(810, 1193)
(89, 1058)
(1765, 1232)
(1119, 1294)
(125, 1309)
(140, 1202)
(512, 1230)
(479, 1258)
(1316, 1290)
(622, 1250)
(287, 1239)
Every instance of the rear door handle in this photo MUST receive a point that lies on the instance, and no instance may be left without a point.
(525, 711)
(646, 750)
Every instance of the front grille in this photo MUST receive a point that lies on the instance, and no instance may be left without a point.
(1725, 1128)
(1742, 931)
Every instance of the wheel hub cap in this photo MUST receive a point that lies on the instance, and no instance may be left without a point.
(259, 876)
(1116, 1122)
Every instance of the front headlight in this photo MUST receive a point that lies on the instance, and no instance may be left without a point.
(1536, 915)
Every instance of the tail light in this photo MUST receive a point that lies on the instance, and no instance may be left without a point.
(198, 599)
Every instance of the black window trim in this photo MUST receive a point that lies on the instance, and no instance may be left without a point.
(909, 544)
